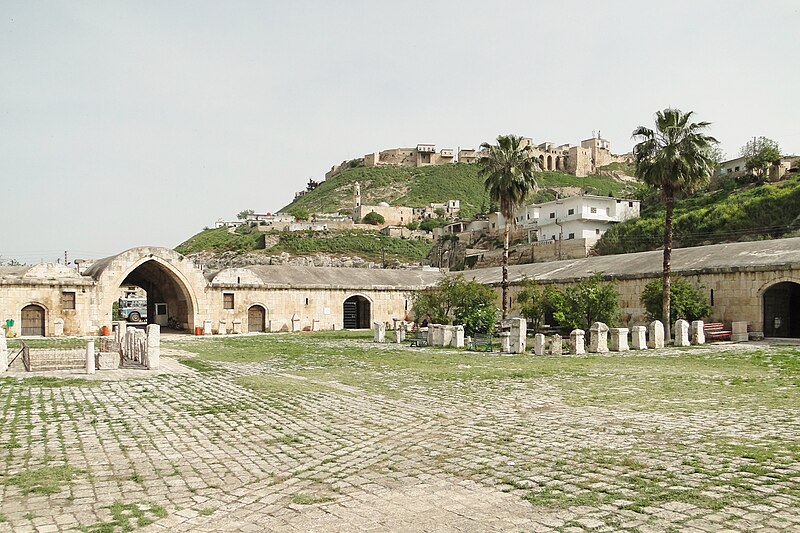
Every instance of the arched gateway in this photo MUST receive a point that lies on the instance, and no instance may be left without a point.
(782, 310)
(356, 312)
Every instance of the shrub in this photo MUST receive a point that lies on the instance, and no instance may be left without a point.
(687, 301)
(453, 299)
(429, 223)
(588, 301)
(376, 219)
(536, 302)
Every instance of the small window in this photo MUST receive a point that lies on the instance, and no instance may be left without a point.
(552, 215)
(571, 236)
(630, 204)
(712, 297)
(593, 210)
(571, 212)
(227, 300)
(67, 300)
(306, 301)
(597, 231)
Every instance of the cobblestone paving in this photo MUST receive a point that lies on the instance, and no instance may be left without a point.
(205, 450)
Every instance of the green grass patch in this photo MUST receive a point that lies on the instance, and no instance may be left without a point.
(198, 364)
(45, 480)
(127, 517)
(304, 498)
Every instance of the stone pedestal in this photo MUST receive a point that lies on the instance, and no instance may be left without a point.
(538, 344)
(655, 335)
(207, 327)
(153, 346)
(739, 332)
(577, 339)
(519, 330)
(119, 328)
(698, 335)
(403, 329)
(315, 325)
(431, 331)
(90, 361)
(619, 339)
(237, 326)
(398, 338)
(58, 327)
(295, 323)
(223, 327)
(3, 351)
(458, 337)
(505, 341)
(556, 344)
(598, 338)
(639, 337)
(681, 333)
(379, 330)
(447, 335)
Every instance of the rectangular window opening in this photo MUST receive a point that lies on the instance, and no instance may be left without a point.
(227, 300)
(67, 300)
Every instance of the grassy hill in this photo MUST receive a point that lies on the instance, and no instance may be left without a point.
(419, 186)
(730, 213)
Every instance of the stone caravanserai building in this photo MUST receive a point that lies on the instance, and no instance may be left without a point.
(757, 282)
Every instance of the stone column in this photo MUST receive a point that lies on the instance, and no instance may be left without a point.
(505, 341)
(403, 328)
(681, 332)
(153, 346)
(639, 337)
(655, 335)
(379, 329)
(458, 337)
(739, 332)
(119, 333)
(206, 327)
(90, 360)
(3, 351)
(130, 342)
(397, 338)
(555, 344)
(447, 335)
(519, 330)
(598, 338)
(223, 327)
(538, 344)
(619, 339)
(698, 335)
(237, 326)
(58, 327)
(576, 342)
(431, 330)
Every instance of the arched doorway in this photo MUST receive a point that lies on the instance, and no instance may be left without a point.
(357, 313)
(168, 300)
(32, 321)
(782, 310)
(549, 162)
(256, 319)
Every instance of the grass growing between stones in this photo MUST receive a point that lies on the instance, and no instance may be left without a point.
(127, 517)
(48, 382)
(45, 480)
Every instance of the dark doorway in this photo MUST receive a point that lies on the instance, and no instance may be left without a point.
(33, 321)
(256, 317)
(782, 310)
(357, 313)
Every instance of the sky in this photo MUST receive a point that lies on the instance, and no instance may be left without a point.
(138, 123)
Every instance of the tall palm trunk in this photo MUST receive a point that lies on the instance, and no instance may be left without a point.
(504, 284)
(669, 201)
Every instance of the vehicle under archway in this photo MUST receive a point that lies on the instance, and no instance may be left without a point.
(357, 313)
(782, 310)
(168, 301)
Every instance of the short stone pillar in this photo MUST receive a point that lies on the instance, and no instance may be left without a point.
(447, 335)
(538, 344)
(90, 360)
(505, 341)
(577, 339)
(698, 334)
(519, 330)
(598, 338)
(403, 329)
(458, 337)
(3, 351)
(681, 332)
(556, 345)
(397, 336)
(379, 330)
(58, 327)
(130, 341)
(223, 327)
(739, 332)
(315, 324)
(431, 328)
(119, 328)
(207, 327)
(639, 338)
(619, 339)
(153, 346)
(295, 323)
(237, 326)
(655, 335)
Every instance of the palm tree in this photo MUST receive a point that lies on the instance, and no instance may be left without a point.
(675, 159)
(509, 168)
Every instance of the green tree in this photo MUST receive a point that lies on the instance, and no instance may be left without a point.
(300, 213)
(687, 301)
(429, 223)
(509, 170)
(586, 302)
(376, 219)
(440, 212)
(455, 300)
(244, 214)
(412, 225)
(760, 154)
(537, 301)
(676, 159)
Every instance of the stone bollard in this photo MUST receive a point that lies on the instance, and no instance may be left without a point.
(538, 344)
(379, 329)
(681, 332)
(58, 327)
(739, 332)
(555, 344)
(431, 330)
(655, 335)
(315, 324)
(130, 342)
(153, 346)
(90, 360)
(119, 331)
(639, 338)
(619, 339)
(519, 331)
(577, 339)
(505, 341)
(237, 326)
(438, 334)
(398, 338)
(223, 327)
(698, 334)
(598, 338)
(295, 323)
(447, 335)
(458, 337)
(403, 329)
(3, 351)
(206, 327)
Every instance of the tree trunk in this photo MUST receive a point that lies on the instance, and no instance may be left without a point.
(669, 202)
(504, 283)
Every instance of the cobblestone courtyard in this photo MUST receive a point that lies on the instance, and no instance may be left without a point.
(329, 432)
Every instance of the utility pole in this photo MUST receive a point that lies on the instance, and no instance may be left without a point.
(65, 258)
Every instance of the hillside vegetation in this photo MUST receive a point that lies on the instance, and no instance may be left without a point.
(244, 239)
(728, 214)
(419, 186)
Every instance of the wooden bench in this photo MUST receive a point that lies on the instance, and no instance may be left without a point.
(420, 339)
(480, 343)
(715, 331)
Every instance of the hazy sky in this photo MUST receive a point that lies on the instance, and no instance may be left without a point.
(138, 123)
